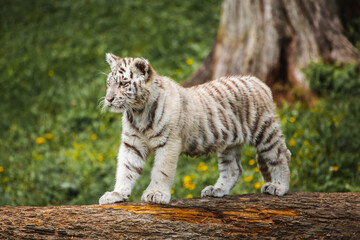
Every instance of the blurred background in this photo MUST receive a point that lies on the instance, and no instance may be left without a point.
(57, 148)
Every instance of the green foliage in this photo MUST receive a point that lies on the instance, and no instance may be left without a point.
(324, 139)
(57, 148)
(333, 80)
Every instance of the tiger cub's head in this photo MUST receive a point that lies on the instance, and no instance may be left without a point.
(127, 83)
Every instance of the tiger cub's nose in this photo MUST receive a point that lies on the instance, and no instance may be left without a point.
(109, 99)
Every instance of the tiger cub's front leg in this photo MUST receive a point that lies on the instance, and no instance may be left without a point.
(130, 163)
(163, 172)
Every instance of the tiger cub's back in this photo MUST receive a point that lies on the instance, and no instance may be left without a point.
(227, 111)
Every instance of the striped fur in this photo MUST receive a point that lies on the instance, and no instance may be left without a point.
(219, 116)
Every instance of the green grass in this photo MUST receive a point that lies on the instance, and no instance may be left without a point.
(57, 148)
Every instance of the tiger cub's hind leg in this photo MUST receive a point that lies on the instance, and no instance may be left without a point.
(272, 153)
(230, 171)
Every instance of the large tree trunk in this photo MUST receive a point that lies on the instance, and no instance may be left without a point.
(253, 216)
(274, 40)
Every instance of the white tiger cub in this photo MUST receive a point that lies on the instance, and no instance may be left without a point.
(163, 117)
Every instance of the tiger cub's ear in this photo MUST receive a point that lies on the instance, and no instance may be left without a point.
(141, 67)
(112, 60)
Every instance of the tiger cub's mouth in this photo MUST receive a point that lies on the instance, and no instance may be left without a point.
(116, 109)
(115, 106)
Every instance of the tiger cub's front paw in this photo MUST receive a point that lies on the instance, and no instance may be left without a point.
(156, 196)
(113, 197)
(211, 191)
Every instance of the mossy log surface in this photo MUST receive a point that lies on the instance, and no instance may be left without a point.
(251, 216)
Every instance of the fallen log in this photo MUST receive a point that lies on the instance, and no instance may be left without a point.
(251, 216)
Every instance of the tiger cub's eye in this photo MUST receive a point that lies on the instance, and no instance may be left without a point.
(124, 84)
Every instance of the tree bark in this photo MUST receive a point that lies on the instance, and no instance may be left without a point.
(253, 216)
(274, 40)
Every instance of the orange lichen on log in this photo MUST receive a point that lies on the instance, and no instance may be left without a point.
(202, 215)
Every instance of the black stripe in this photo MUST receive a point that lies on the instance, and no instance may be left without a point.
(131, 74)
(202, 132)
(130, 118)
(159, 132)
(136, 86)
(161, 145)
(134, 149)
(152, 114)
(225, 161)
(162, 112)
(235, 130)
(139, 110)
(217, 91)
(210, 121)
(270, 147)
(238, 115)
(224, 120)
(216, 98)
(164, 174)
(271, 135)
(229, 88)
(127, 166)
(213, 127)
(260, 136)
(246, 101)
(256, 124)
(224, 135)
(138, 170)
(184, 101)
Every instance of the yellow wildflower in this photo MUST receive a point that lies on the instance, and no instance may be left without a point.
(100, 158)
(292, 142)
(51, 73)
(189, 196)
(187, 179)
(49, 136)
(171, 191)
(257, 185)
(248, 179)
(178, 71)
(292, 119)
(256, 169)
(283, 121)
(189, 62)
(251, 162)
(296, 134)
(202, 167)
(40, 140)
(188, 183)
(93, 136)
(1, 169)
(335, 168)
